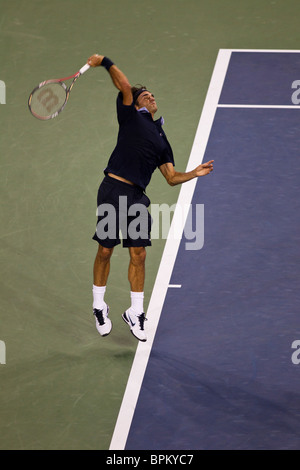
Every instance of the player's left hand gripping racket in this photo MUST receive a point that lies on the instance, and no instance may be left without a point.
(49, 98)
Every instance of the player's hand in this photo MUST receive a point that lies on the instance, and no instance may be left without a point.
(205, 168)
(95, 60)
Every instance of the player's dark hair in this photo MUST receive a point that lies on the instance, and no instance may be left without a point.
(136, 91)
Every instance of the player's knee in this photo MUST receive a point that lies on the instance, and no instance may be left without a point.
(138, 255)
(104, 254)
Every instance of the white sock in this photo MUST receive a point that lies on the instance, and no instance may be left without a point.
(137, 302)
(98, 297)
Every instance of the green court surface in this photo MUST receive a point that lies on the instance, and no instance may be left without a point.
(62, 384)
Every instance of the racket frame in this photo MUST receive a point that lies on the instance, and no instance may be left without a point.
(67, 90)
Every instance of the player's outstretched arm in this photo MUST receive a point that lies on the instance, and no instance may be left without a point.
(119, 79)
(175, 177)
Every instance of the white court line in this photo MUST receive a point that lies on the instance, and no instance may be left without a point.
(143, 351)
(278, 51)
(254, 106)
(175, 286)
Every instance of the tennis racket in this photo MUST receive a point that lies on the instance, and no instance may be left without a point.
(49, 98)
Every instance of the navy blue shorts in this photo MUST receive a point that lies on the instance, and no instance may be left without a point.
(122, 208)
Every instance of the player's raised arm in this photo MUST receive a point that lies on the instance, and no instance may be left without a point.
(119, 79)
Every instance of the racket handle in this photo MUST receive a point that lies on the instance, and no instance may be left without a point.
(84, 69)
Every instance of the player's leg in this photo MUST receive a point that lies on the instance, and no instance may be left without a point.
(101, 272)
(135, 316)
(102, 265)
(136, 270)
(106, 235)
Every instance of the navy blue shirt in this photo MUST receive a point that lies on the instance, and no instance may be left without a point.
(142, 146)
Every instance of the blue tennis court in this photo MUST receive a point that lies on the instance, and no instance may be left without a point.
(218, 372)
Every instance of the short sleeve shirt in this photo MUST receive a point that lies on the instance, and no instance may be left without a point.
(142, 146)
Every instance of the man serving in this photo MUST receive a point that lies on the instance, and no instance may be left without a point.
(142, 146)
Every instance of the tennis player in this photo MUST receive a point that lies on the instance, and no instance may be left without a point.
(142, 146)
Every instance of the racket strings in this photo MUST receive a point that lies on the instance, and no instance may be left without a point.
(48, 99)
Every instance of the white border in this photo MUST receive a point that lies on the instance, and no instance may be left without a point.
(161, 286)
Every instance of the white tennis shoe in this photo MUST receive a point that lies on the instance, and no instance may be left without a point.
(103, 323)
(136, 324)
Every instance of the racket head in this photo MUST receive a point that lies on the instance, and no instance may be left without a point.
(48, 99)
